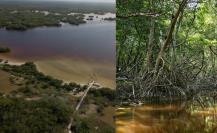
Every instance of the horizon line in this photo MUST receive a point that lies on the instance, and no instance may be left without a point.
(58, 1)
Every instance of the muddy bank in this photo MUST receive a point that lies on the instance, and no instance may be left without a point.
(79, 71)
(73, 70)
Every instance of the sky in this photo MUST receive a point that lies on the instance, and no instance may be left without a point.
(113, 1)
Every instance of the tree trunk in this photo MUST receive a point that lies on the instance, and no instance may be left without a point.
(169, 35)
(149, 61)
(174, 55)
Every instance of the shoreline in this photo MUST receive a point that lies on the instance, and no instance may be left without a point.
(76, 67)
(46, 68)
(11, 62)
(78, 71)
(87, 19)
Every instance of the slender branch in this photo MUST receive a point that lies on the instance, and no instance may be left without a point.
(210, 47)
(139, 15)
(169, 34)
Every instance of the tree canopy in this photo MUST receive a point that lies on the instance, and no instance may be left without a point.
(165, 44)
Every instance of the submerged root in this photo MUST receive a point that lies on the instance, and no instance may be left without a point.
(168, 86)
(164, 94)
(165, 86)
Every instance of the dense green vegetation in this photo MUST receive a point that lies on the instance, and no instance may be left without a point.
(166, 50)
(24, 15)
(88, 125)
(25, 19)
(48, 103)
(48, 115)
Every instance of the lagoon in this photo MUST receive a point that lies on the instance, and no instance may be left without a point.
(70, 53)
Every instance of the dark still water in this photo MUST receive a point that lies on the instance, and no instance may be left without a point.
(70, 53)
(91, 41)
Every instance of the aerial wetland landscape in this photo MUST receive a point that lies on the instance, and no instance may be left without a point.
(142, 66)
(57, 67)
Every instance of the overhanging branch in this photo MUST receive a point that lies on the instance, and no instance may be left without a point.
(215, 53)
(139, 15)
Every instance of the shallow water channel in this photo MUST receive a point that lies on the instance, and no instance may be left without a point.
(167, 118)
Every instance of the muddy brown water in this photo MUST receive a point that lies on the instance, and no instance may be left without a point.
(166, 119)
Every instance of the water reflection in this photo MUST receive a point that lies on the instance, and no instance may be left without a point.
(179, 118)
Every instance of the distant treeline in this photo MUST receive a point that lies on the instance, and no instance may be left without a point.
(83, 7)
(26, 19)
(20, 15)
